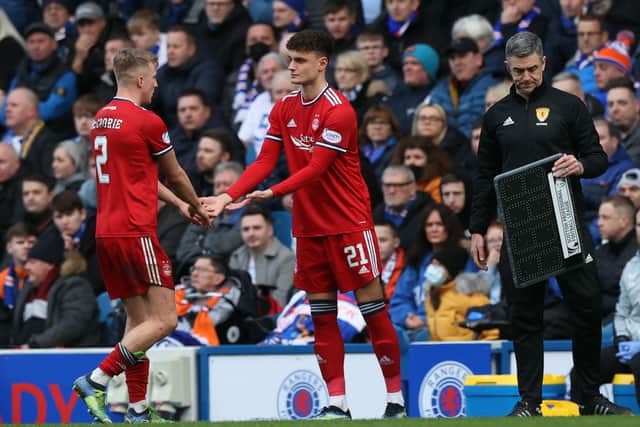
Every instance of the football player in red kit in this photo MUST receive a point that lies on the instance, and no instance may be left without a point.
(129, 143)
(336, 247)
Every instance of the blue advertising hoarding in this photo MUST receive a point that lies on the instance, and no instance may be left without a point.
(436, 376)
(36, 386)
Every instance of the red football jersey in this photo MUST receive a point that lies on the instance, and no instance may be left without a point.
(338, 202)
(126, 139)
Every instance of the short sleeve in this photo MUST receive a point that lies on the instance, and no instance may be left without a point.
(339, 130)
(157, 136)
(274, 132)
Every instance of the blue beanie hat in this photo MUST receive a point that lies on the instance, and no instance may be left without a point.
(427, 56)
(297, 5)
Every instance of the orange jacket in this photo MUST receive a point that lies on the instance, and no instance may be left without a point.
(203, 327)
(22, 276)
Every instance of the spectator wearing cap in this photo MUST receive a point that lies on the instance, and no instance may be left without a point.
(57, 306)
(57, 15)
(410, 22)
(610, 63)
(591, 36)
(289, 16)
(27, 132)
(420, 68)
(452, 294)
(478, 28)
(629, 186)
(624, 113)
(461, 94)
(596, 189)
(49, 77)
(93, 31)
(222, 32)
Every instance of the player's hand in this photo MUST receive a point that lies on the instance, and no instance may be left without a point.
(199, 215)
(256, 196)
(68, 242)
(567, 165)
(215, 204)
(478, 252)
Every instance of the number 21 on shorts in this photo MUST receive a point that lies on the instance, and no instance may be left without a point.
(100, 145)
(355, 255)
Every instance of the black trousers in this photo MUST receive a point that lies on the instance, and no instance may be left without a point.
(581, 290)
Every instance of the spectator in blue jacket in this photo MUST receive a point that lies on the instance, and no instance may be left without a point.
(440, 228)
(52, 80)
(595, 189)
(461, 94)
(186, 68)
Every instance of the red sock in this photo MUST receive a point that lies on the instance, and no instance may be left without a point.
(329, 349)
(117, 361)
(137, 377)
(384, 341)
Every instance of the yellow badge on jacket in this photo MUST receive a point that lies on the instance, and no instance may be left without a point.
(542, 113)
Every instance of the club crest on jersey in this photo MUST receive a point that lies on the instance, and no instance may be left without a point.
(303, 142)
(542, 113)
(315, 124)
(165, 138)
(331, 136)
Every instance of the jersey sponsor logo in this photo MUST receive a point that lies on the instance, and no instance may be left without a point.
(291, 124)
(508, 121)
(441, 392)
(165, 138)
(331, 136)
(303, 142)
(301, 395)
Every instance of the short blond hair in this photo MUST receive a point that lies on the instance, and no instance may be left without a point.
(356, 60)
(128, 62)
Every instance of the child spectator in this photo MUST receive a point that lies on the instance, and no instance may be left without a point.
(144, 30)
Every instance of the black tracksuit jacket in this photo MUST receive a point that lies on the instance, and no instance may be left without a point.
(517, 131)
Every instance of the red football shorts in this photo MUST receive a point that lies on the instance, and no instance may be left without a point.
(342, 262)
(130, 265)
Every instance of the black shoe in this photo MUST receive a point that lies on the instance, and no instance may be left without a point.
(600, 405)
(394, 410)
(332, 413)
(525, 409)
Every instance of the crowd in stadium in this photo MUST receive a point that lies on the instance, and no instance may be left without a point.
(419, 74)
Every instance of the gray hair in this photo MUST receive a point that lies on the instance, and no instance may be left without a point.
(523, 44)
(279, 59)
(399, 169)
(231, 165)
(78, 153)
(474, 26)
(565, 75)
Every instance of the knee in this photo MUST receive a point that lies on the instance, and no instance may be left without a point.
(168, 324)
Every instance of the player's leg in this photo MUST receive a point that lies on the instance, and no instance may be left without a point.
(385, 343)
(154, 318)
(313, 276)
(356, 266)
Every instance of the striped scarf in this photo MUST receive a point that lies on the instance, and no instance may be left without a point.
(397, 29)
(244, 93)
(523, 25)
(10, 287)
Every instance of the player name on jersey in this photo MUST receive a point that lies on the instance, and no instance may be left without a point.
(107, 123)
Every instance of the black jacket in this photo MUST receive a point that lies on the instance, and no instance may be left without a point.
(507, 144)
(412, 223)
(225, 43)
(198, 73)
(611, 259)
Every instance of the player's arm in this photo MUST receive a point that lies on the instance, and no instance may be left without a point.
(179, 183)
(168, 197)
